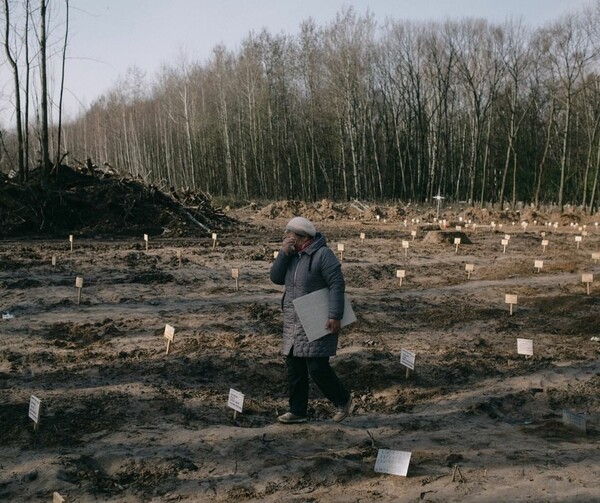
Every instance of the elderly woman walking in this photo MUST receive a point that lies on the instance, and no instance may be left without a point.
(304, 265)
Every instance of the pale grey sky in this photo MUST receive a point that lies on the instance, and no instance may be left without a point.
(109, 36)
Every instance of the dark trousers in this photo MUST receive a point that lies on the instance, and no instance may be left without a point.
(298, 370)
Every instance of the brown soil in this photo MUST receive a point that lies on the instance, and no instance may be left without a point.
(124, 421)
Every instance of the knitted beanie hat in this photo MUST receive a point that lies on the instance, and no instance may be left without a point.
(301, 226)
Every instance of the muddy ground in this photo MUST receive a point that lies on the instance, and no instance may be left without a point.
(122, 420)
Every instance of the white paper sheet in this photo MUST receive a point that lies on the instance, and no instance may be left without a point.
(313, 311)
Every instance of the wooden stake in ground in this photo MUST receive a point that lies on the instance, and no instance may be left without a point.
(340, 248)
(235, 401)
(235, 274)
(53, 260)
(544, 245)
(35, 409)
(79, 286)
(413, 235)
(362, 237)
(456, 244)
(405, 245)
(469, 268)
(578, 240)
(71, 241)
(146, 241)
(588, 279)
(214, 240)
(170, 336)
(595, 257)
(407, 358)
(504, 245)
(538, 264)
(511, 300)
(400, 274)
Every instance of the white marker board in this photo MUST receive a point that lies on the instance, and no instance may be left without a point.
(169, 332)
(525, 347)
(407, 358)
(313, 311)
(236, 400)
(34, 408)
(392, 462)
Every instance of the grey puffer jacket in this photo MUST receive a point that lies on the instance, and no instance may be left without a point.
(315, 268)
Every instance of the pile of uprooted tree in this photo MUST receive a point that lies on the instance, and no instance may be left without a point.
(99, 203)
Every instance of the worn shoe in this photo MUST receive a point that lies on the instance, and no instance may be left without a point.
(344, 411)
(289, 418)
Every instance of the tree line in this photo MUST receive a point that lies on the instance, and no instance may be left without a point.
(466, 109)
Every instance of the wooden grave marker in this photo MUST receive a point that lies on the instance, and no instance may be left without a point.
(538, 265)
(214, 240)
(469, 268)
(511, 300)
(79, 286)
(340, 248)
(71, 241)
(544, 245)
(235, 274)
(400, 274)
(413, 235)
(405, 245)
(407, 358)
(146, 241)
(235, 401)
(35, 410)
(578, 240)
(504, 245)
(53, 260)
(595, 257)
(362, 237)
(456, 244)
(170, 336)
(588, 279)
(525, 347)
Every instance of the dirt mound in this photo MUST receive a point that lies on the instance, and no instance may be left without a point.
(98, 204)
(446, 237)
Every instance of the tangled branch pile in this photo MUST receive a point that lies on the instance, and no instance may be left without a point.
(102, 204)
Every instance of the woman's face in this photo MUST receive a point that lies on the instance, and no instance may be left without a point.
(297, 239)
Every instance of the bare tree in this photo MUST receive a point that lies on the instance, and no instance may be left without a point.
(12, 60)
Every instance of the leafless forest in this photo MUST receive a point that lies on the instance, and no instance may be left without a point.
(470, 110)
